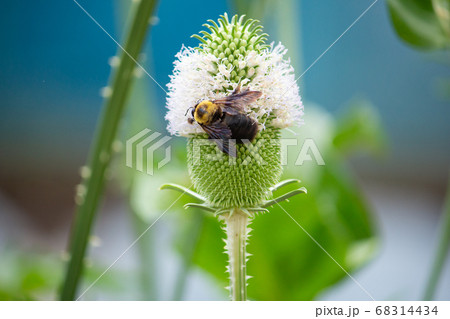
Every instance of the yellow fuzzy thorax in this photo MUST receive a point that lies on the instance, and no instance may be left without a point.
(204, 112)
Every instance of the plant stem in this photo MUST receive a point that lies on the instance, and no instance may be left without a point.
(442, 250)
(100, 153)
(237, 234)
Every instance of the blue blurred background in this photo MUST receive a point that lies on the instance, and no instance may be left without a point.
(54, 62)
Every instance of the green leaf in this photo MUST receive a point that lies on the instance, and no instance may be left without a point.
(422, 23)
(442, 9)
(359, 128)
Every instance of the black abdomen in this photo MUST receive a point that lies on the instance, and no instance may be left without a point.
(242, 127)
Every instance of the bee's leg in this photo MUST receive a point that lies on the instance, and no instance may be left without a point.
(228, 146)
(237, 89)
(222, 144)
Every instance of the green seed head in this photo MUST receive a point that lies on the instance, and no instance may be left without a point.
(241, 181)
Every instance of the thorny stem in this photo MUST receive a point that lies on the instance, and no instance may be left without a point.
(100, 153)
(237, 232)
(236, 228)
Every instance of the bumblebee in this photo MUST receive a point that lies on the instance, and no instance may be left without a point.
(224, 119)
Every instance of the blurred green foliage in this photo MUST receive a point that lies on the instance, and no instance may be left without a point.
(359, 125)
(28, 275)
(35, 275)
(424, 24)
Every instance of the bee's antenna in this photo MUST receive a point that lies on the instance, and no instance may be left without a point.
(188, 110)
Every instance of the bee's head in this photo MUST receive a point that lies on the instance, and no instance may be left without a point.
(204, 112)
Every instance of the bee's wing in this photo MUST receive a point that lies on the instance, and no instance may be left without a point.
(221, 134)
(234, 103)
(217, 131)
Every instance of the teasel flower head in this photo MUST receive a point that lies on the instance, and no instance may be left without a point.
(234, 187)
(234, 53)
